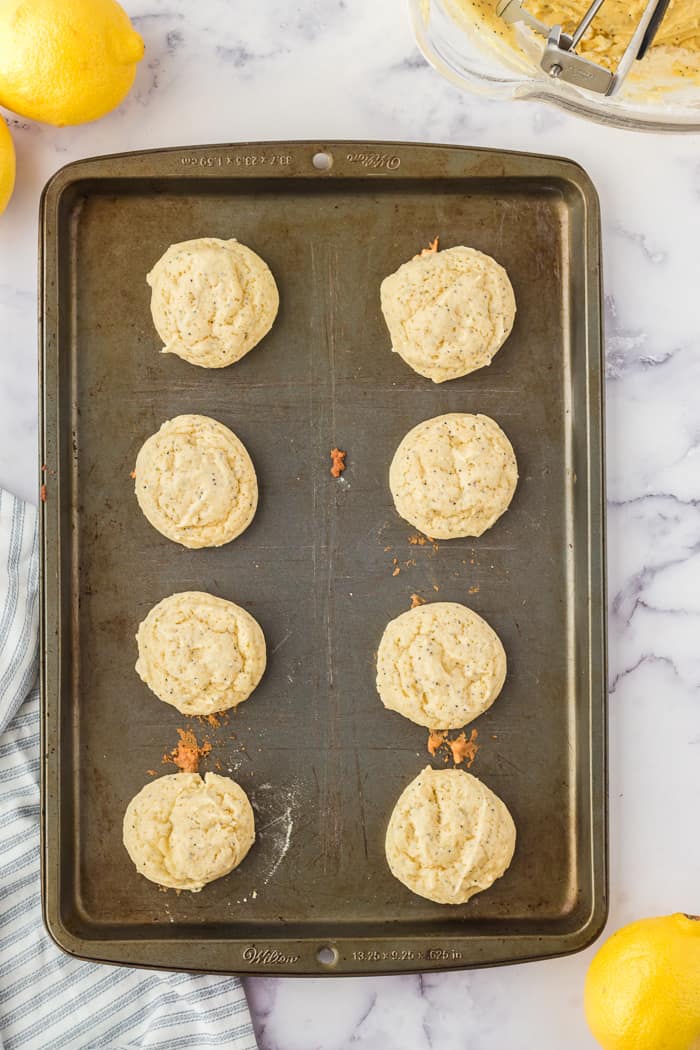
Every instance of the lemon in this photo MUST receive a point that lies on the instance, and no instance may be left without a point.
(643, 986)
(66, 61)
(7, 165)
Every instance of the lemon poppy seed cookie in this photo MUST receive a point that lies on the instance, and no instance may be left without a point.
(185, 830)
(449, 836)
(440, 665)
(212, 300)
(453, 475)
(196, 483)
(448, 312)
(200, 653)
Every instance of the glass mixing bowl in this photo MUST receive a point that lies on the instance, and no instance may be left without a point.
(475, 59)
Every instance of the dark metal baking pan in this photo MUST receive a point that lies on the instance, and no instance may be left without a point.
(321, 759)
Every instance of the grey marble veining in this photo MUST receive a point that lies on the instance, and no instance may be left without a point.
(226, 70)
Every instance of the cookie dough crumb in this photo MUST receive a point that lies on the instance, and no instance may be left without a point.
(459, 747)
(186, 756)
(432, 248)
(132, 474)
(463, 749)
(396, 571)
(436, 740)
(337, 461)
(42, 493)
(416, 600)
(214, 720)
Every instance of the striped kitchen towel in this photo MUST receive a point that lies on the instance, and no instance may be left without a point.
(47, 999)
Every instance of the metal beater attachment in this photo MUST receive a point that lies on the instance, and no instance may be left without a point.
(560, 59)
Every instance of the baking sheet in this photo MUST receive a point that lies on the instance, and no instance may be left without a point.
(321, 759)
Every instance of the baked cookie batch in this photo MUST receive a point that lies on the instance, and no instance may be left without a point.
(439, 665)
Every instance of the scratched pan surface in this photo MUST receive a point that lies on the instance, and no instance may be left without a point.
(321, 759)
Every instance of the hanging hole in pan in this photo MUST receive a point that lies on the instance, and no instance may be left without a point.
(322, 161)
(327, 956)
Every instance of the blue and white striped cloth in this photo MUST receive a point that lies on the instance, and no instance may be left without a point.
(49, 1000)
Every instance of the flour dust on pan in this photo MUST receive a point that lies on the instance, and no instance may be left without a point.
(275, 808)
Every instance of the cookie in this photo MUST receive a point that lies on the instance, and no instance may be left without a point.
(200, 653)
(184, 831)
(448, 312)
(212, 300)
(453, 475)
(196, 483)
(440, 665)
(449, 836)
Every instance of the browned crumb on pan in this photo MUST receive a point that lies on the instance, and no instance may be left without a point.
(463, 749)
(215, 720)
(396, 571)
(473, 590)
(416, 600)
(186, 756)
(436, 739)
(152, 772)
(387, 549)
(435, 587)
(42, 493)
(459, 748)
(132, 474)
(337, 462)
(420, 541)
(432, 248)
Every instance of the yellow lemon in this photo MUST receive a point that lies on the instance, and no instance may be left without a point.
(643, 986)
(7, 165)
(66, 61)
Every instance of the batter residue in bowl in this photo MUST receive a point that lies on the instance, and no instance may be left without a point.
(676, 48)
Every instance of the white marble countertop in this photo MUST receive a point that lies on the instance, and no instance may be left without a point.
(227, 70)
